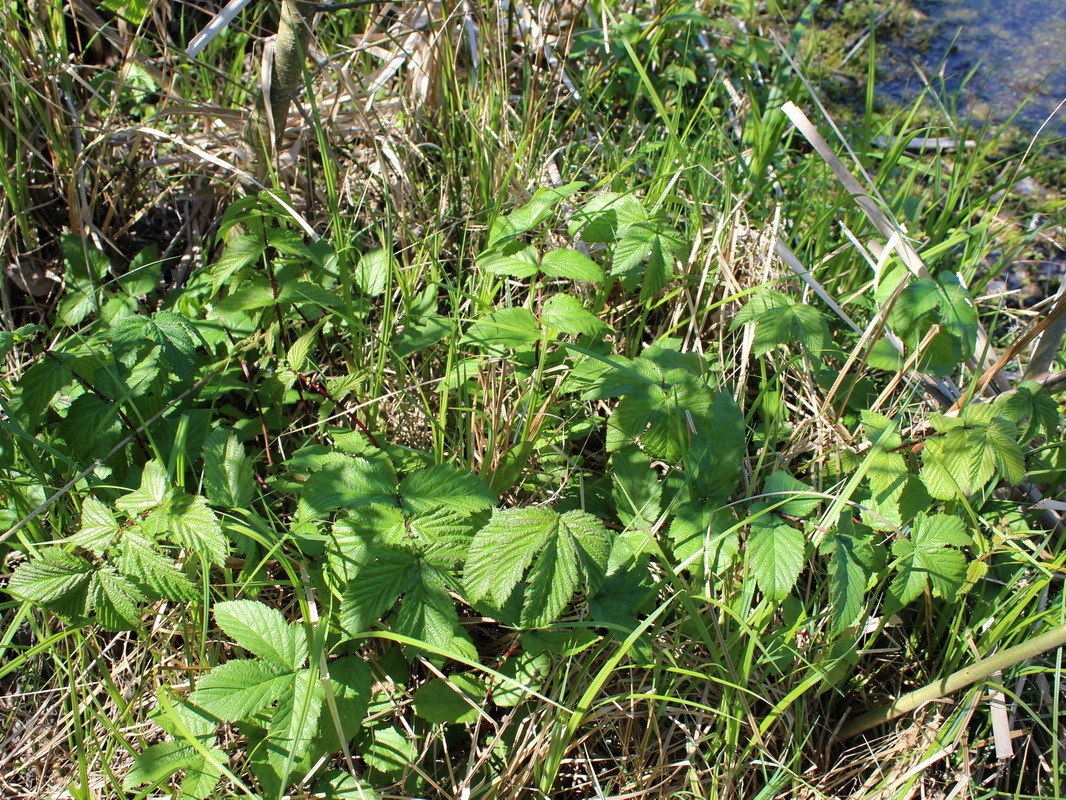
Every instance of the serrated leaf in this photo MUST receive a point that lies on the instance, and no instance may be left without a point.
(447, 486)
(525, 672)
(346, 482)
(562, 549)
(526, 217)
(240, 252)
(851, 565)
(138, 561)
(506, 328)
(297, 355)
(52, 577)
(780, 485)
(716, 453)
(376, 587)
(169, 332)
(705, 538)
(428, 612)
(152, 492)
(419, 333)
(975, 446)
(143, 274)
(295, 722)
(775, 555)
(456, 700)
(607, 216)
(513, 259)
(160, 761)
(98, 526)
(90, 426)
(389, 751)
(195, 526)
(504, 549)
(263, 630)
(566, 314)
(239, 689)
(930, 557)
(116, 601)
(228, 479)
(566, 263)
(637, 488)
(666, 246)
(552, 582)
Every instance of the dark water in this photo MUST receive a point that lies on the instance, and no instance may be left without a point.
(1014, 49)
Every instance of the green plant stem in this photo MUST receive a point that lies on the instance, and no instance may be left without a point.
(964, 677)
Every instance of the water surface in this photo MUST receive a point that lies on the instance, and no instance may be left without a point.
(1014, 48)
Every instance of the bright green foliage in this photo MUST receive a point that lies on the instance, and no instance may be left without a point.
(275, 693)
(158, 763)
(920, 305)
(970, 449)
(852, 563)
(554, 553)
(930, 556)
(228, 478)
(666, 396)
(130, 564)
(455, 700)
(776, 551)
(781, 321)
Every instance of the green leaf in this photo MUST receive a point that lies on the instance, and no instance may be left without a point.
(144, 273)
(195, 526)
(930, 557)
(169, 332)
(850, 567)
(240, 689)
(506, 328)
(444, 485)
(373, 271)
(428, 612)
(376, 587)
(605, 217)
(780, 485)
(571, 264)
(456, 700)
(716, 453)
(116, 600)
(295, 722)
(504, 549)
(419, 333)
(566, 314)
(972, 448)
(705, 538)
(527, 217)
(637, 488)
(240, 252)
(775, 555)
(350, 681)
(513, 259)
(346, 482)
(153, 572)
(262, 630)
(84, 261)
(52, 577)
(228, 479)
(389, 751)
(563, 550)
(98, 527)
(159, 762)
